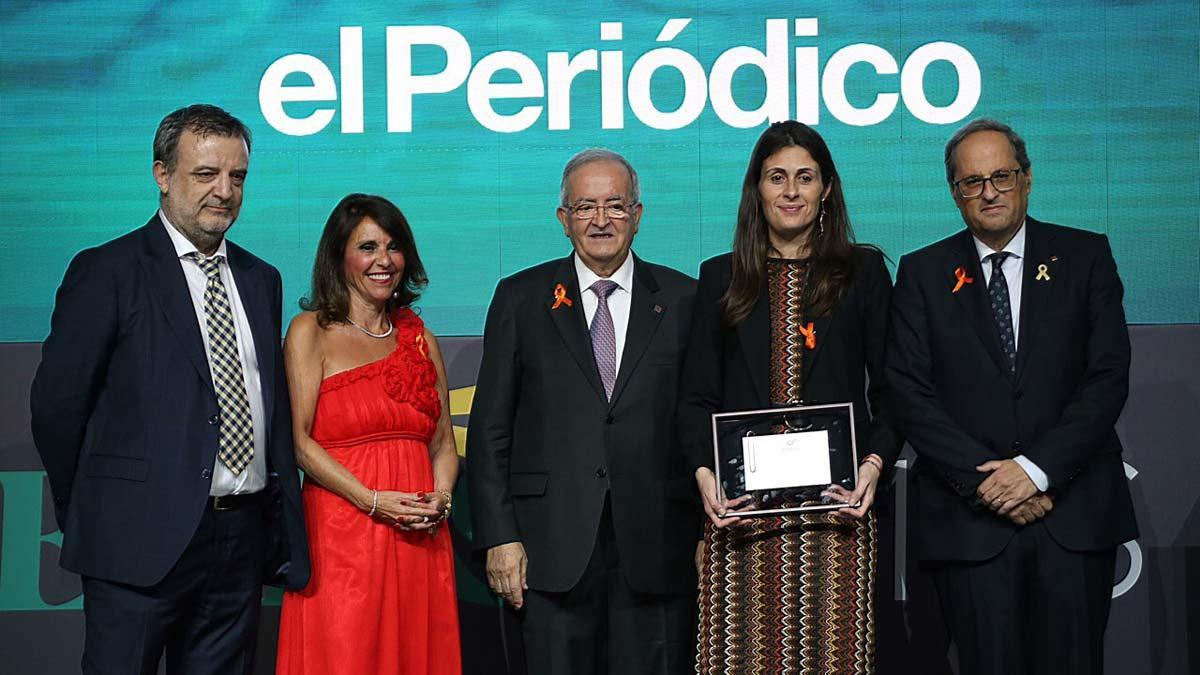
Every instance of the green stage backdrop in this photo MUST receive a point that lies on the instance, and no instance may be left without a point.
(464, 113)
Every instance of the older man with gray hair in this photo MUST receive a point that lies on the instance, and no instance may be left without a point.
(579, 495)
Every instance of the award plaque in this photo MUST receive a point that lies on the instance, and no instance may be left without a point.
(786, 458)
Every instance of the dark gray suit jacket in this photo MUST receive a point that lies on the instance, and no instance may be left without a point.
(545, 448)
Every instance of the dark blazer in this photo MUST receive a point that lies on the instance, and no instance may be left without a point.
(125, 415)
(544, 448)
(958, 405)
(728, 369)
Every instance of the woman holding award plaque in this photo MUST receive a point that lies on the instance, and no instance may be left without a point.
(795, 315)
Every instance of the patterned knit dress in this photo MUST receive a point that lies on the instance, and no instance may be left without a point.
(788, 594)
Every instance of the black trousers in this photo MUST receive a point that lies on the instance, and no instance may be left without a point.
(1034, 609)
(603, 626)
(203, 614)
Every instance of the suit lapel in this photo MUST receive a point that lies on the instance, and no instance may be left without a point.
(754, 334)
(169, 286)
(571, 322)
(973, 297)
(645, 314)
(1035, 292)
(253, 293)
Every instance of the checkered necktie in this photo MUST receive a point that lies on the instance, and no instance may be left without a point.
(604, 336)
(236, 432)
(1002, 308)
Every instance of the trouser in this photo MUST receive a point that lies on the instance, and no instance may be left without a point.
(1034, 609)
(603, 626)
(203, 614)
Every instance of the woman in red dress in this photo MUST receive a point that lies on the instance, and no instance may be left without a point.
(373, 436)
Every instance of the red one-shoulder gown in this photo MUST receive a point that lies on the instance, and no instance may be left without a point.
(381, 600)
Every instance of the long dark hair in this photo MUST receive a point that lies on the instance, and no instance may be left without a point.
(831, 250)
(330, 298)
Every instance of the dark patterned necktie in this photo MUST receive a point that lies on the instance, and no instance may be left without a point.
(1002, 308)
(604, 336)
(236, 436)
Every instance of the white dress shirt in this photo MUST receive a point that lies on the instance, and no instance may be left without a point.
(1013, 268)
(254, 477)
(618, 302)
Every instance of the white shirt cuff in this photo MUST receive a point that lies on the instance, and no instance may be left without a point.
(1039, 477)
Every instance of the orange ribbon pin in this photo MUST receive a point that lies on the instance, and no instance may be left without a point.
(810, 336)
(560, 296)
(961, 275)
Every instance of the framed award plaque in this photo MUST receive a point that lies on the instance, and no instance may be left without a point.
(786, 458)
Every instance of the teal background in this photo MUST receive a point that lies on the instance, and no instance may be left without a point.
(1106, 95)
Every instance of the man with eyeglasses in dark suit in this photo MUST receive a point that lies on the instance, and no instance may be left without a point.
(579, 495)
(1009, 356)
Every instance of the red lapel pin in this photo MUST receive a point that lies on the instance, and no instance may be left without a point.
(961, 275)
(810, 336)
(560, 296)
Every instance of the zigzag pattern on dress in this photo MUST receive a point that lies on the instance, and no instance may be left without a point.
(791, 303)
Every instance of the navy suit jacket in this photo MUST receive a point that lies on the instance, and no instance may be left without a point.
(125, 416)
(959, 406)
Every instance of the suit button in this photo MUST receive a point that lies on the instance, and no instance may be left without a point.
(1019, 394)
(601, 472)
(207, 473)
(608, 420)
(215, 419)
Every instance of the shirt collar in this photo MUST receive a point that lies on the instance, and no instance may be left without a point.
(623, 276)
(1015, 246)
(183, 247)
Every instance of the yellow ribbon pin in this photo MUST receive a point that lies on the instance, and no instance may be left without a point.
(1043, 273)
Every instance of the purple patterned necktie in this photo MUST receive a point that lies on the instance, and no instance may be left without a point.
(604, 336)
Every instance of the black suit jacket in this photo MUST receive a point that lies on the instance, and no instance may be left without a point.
(124, 411)
(728, 369)
(544, 448)
(958, 405)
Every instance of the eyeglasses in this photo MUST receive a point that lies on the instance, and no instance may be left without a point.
(585, 211)
(972, 186)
